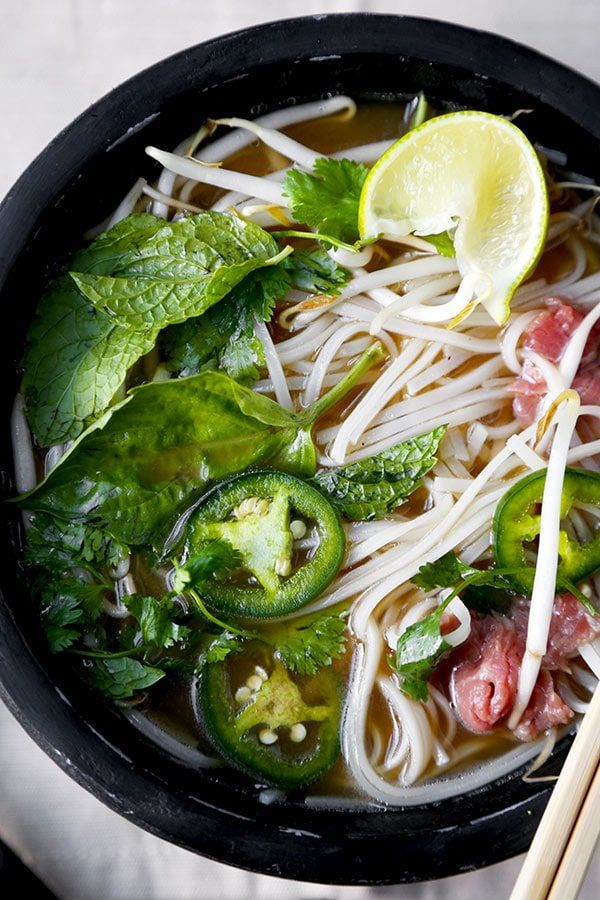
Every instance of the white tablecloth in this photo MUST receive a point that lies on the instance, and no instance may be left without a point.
(57, 57)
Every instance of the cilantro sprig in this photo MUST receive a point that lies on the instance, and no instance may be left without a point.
(422, 646)
(327, 198)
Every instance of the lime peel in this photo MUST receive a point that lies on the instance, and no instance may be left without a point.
(477, 173)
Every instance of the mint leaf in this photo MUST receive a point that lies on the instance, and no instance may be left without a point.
(75, 361)
(156, 620)
(179, 271)
(120, 678)
(418, 652)
(327, 199)
(373, 487)
(306, 646)
(131, 478)
(142, 275)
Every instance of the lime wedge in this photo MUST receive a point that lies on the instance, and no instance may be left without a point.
(472, 172)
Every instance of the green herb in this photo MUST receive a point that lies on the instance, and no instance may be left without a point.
(223, 338)
(483, 590)
(119, 678)
(216, 559)
(220, 647)
(418, 652)
(373, 487)
(327, 199)
(443, 243)
(156, 620)
(451, 572)
(305, 646)
(141, 275)
(69, 607)
(132, 478)
(58, 616)
(58, 546)
(179, 271)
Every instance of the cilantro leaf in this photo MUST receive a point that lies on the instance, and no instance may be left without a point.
(156, 620)
(309, 645)
(61, 613)
(315, 272)
(483, 590)
(57, 546)
(418, 652)
(373, 487)
(224, 644)
(443, 243)
(217, 558)
(121, 677)
(327, 199)
(444, 572)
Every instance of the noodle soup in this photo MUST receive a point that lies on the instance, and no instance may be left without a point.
(293, 513)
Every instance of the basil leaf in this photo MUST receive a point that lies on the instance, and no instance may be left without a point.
(143, 274)
(134, 468)
(133, 471)
(120, 678)
(418, 652)
(327, 199)
(373, 487)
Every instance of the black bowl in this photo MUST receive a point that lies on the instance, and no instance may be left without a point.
(72, 185)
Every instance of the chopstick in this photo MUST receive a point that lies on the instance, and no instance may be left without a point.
(580, 848)
(560, 822)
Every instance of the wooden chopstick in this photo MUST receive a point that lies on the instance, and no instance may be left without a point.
(548, 846)
(579, 850)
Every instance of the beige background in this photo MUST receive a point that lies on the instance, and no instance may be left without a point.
(57, 57)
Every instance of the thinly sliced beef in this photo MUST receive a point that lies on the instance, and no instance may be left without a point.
(481, 675)
(570, 627)
(545, 709)
(548, 335)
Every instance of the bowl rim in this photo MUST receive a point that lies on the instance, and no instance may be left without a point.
(351, 856)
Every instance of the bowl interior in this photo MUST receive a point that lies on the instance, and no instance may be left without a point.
(74, 184)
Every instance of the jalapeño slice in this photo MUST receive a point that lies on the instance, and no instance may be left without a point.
(259, 514)
(284, 731)
(517, 523)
